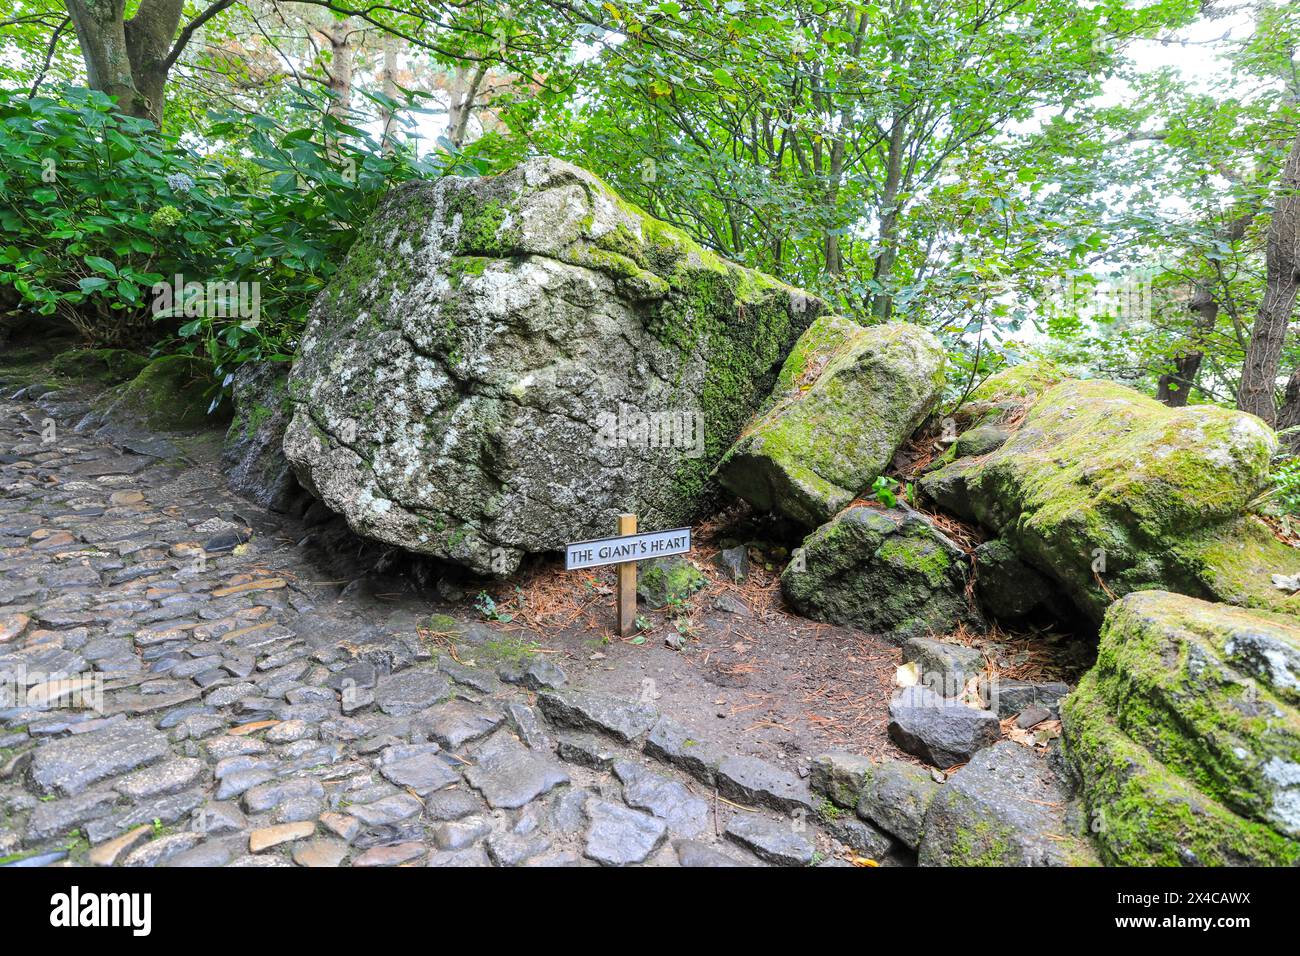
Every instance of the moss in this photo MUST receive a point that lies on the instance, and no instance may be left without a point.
(103, 366)
(1142, 813)
(172, 393)
(1026, 380)
(920, 554)
(1098, 469)
(669, 581)
(982, 844)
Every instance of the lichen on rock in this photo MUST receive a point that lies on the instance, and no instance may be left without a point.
(1107, 491)
(503, 365)
(1185, 736)
(891, 572)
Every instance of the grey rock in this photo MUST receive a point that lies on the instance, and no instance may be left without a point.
(841, 777)
(624, 720)
(411, 691)
(458, 722)
(160, 779)
(512, 849)
(619, 836)
(678, 745)
(1010, 697)
(861, 836)
(734, 561)
(535, 674)
(526, 724)
(1005, 808)
(51, 818)
(758, 783)
(510, 775)
(686, 814)
(693, 854)
(159, 851)
(389, 810)
(896, 798)
(268, 796)
(589, 750)
(459, 834)
(775, 841)
(665, 581)
(512, 365)
(419, 767)
(72, 765)
(941, 732)
(451, 804)
(945, 667)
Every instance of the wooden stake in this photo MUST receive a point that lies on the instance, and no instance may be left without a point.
(626, 593)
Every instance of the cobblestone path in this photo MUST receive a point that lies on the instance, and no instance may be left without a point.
(179, 687)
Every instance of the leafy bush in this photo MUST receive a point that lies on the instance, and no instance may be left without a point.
(101, 214)
(1284, 490)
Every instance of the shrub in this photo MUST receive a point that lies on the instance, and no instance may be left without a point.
(103, 217)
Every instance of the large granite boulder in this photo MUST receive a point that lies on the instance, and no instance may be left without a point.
(890, 572)
(502, 365)
(1185, 735)
(253, 454)
(1106, 491)
(846, 400)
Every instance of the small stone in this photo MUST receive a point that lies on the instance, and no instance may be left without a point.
(940, 731)
(451, 804)
(841, 776)
(587, 750)
(342, 825)
(534, 674)
(619, 836)
(73, 764)
(411, 691)
(624, 720)
(159, 851)
(686, 814)
(1032, 717)
(458, 722)
(170, 776)
(268, 796)
(107, 854)
(394, 855)
(12, 625)
(759, 783)
(690, 853)
(393, 809)
(733, 561)
(320, 852)
(772, 841)
(459, 834)
(510, 775)
(268, 837)
(896, 798)
(679, 746)
(417, 766)
(945, 668)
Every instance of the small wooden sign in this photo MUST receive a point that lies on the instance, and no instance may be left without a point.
(625, 551)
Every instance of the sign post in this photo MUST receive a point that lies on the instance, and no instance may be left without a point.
(625, 551)
(626, 589)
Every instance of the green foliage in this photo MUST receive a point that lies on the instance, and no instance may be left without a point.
(1284, 482)
(101, 214)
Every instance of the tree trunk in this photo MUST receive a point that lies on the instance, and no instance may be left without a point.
(127, 59)
(882, 303)
(390, 90)
(1282, 259)
(1289, 414)
(1174, 388)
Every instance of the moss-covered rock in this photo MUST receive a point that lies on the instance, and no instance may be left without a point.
(1004, 808)
(252, 455)
(665, 581)
(889, 572)
(171, 393)
(99, 366)
(504, 364)
(1107, 492)
(1188, 722)
(846, 399)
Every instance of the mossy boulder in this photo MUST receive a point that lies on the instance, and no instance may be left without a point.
(890, 572)
(846, 400)
(665, 581)
(1185, 735)
(171, 393)
(99, 366)
(253, 456)
(1004, 808)
(504, 364)
(1107, 491)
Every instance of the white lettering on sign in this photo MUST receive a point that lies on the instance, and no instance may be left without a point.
(632, 547)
